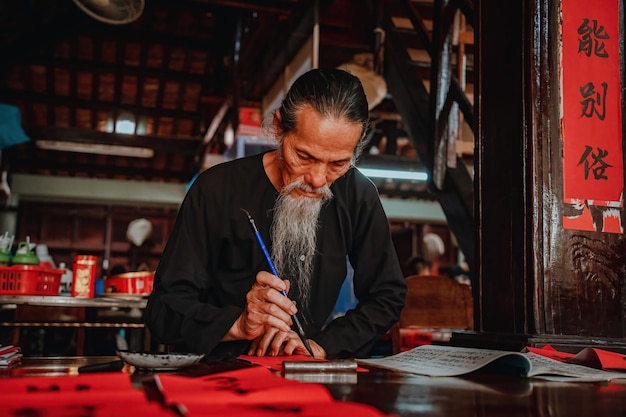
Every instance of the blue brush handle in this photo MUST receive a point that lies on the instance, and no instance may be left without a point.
(268, 258)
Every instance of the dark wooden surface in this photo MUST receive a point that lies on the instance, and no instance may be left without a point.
(482, 395)
(407, 395)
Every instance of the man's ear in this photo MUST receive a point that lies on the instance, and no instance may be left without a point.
(276, 124)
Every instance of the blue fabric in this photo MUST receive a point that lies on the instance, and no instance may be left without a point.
(346, 299)
(193, 179)
(11, 132)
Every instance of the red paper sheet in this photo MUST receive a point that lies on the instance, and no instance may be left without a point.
(257, 385)
(549, 352)
(79, 384)
(249, 379)
(109, 409)
(601, 359)
(255, 392)
(96, 391)
(92, 399)
(592, 357)
(271, 397)
(8, 350)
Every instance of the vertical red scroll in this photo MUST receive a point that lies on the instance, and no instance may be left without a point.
(593, 177)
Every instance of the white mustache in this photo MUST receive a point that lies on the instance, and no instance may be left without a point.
(324, 191)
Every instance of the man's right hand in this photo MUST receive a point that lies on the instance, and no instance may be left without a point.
(265, 308)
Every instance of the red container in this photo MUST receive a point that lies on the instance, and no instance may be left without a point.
(84, 276)
(29, 280)
(130, 283)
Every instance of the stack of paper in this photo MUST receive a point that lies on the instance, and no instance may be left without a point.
(10, 355)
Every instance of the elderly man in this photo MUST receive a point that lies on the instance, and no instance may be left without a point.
(213, 293)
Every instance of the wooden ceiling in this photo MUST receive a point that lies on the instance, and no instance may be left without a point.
(177, 72)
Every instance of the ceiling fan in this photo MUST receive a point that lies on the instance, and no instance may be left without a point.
(115, 12)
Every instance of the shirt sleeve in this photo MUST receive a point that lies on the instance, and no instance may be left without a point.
(184, 307)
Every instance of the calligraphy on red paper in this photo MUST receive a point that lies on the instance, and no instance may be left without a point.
(593, 173)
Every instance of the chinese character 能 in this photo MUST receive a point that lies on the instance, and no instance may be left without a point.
(588, 42)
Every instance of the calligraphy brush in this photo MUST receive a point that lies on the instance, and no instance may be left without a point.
(259, 239)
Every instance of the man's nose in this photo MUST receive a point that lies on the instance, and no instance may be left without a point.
(317, 176)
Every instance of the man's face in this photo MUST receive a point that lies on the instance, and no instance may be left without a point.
(317, 152)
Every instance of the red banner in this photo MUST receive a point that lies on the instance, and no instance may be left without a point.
(593, 173)
(592, 119)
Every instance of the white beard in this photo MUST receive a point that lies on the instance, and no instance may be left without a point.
(294, 237)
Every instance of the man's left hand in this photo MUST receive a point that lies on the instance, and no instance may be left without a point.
(275, 342)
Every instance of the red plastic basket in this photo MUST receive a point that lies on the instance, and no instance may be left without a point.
(29, 280)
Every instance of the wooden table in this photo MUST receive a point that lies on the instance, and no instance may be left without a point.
(479, 395)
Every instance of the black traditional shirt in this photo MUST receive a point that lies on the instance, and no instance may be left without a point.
(211, 260)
